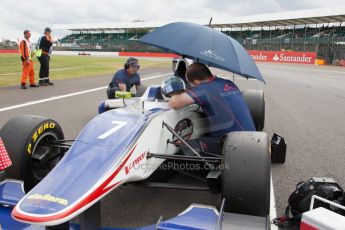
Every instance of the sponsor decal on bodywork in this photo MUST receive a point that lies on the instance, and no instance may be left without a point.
(136, 161)
(48, 197)
(184, 128)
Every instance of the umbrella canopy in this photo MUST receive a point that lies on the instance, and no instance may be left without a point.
(205, 45)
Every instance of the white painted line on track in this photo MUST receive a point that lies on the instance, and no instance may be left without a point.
(236, 78)
(273, 211)
(69, 95)
(51, 99)
(338, 77)
(243, 78)
(155, 76)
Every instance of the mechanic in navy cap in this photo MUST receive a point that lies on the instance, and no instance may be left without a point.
(221, 101)
(125, 78)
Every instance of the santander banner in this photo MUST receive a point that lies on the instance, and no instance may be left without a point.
(283, 56)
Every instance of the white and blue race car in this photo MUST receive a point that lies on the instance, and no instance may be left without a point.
(131, 145)
(134, 141)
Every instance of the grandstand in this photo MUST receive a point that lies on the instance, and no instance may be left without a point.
(317, 30)
(8, 44)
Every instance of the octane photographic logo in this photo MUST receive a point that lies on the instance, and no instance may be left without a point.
(212, 54)
(167, 166)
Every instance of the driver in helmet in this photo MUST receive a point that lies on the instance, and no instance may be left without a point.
(172, 86)
(221, 101)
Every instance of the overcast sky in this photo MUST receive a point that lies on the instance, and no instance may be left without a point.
(18, 15)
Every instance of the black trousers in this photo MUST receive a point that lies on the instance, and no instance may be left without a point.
(111, 91)
(44, 69)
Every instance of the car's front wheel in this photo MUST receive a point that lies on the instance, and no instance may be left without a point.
(32, 144)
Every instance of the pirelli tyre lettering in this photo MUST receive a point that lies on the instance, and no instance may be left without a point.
(38, 132)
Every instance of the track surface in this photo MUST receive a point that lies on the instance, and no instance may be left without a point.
(305, 104)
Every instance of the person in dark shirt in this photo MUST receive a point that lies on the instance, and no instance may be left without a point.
(125, 79)
(221, 101)
(45, 44)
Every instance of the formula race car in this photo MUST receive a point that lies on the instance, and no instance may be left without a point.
(131, 145)
(139, 141)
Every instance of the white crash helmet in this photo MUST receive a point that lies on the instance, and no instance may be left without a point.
(172, 85)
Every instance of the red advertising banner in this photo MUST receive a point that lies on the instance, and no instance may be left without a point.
(147, 54)
(9, 51)
(283, 56)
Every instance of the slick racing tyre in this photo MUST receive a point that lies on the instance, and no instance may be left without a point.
(245, 175)
(256, 103)
(29, 141)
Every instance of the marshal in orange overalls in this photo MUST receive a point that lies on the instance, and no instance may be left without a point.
(26, 57)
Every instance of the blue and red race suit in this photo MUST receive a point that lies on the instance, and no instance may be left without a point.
(225, 108)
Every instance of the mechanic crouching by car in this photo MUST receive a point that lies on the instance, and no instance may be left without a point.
(125, 79)
(222, 103)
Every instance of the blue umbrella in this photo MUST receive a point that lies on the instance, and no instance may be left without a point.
(206, 45)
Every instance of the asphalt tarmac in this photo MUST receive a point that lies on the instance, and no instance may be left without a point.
(304, 103)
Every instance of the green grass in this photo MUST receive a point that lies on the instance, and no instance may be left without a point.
(67, 67)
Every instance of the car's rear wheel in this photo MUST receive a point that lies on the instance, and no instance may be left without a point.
(29, 141)
(245, 178)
